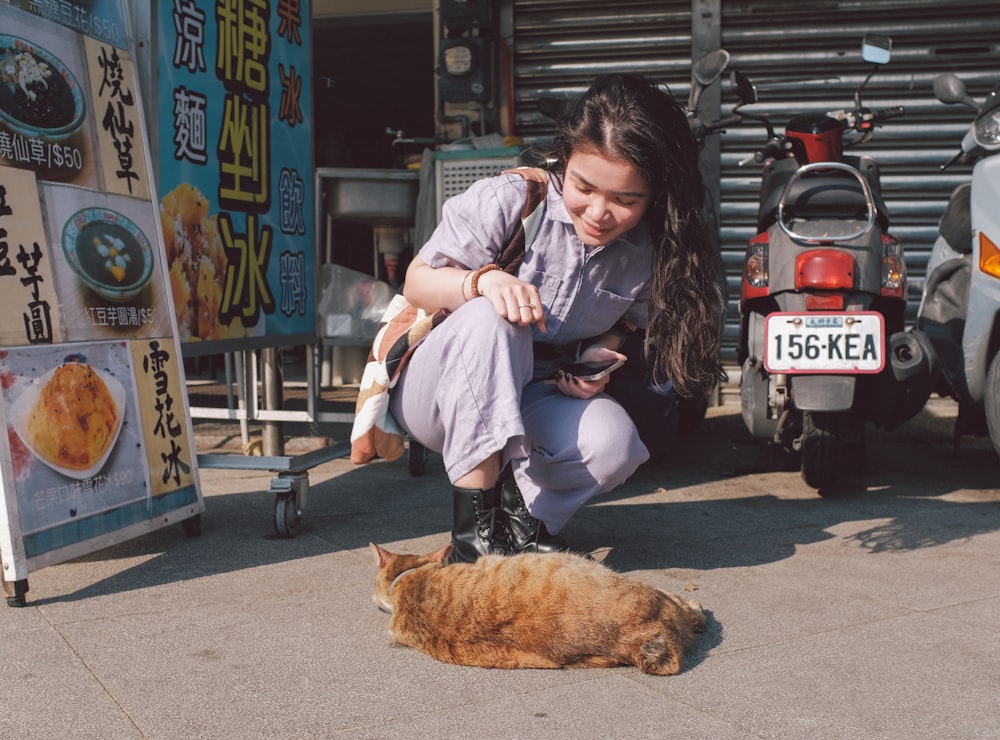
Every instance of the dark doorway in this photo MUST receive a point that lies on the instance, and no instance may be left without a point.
(370, 74)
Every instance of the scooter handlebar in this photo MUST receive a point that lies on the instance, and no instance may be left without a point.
(864, 119)
(722, 123)
(884, 114)
(772, 150)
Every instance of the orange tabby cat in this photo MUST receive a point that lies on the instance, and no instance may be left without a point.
(533, 610)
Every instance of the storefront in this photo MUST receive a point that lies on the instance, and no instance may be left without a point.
(804, 58)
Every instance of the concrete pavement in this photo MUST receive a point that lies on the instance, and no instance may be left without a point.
(870, 615)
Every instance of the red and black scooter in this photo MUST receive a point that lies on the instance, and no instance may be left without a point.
(823, 293)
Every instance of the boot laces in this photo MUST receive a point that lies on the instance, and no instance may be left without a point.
(491, 529)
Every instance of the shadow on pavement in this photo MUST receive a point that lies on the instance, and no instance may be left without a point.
(714, 503)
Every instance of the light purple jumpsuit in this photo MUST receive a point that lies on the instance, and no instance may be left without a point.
(474, 386)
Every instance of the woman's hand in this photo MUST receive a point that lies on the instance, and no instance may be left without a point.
(577, 388)
(513, 299)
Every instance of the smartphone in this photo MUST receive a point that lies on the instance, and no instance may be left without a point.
(593, 370)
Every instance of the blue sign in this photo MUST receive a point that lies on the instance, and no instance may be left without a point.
(235, 169)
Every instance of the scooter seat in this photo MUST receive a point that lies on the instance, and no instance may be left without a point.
(832, 194)
(955, 225)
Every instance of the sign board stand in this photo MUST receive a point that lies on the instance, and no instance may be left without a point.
(99, 445)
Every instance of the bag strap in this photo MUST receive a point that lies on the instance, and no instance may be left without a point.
(512, 254)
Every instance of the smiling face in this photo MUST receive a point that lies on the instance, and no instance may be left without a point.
(604, 197)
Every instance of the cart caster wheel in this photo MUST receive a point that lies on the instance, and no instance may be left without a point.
(287, 515)
(417, 458)
(192, 526)
(291, 492)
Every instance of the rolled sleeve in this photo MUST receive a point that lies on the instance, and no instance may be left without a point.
(476, 224)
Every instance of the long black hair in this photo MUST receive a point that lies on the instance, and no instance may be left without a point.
(627, 118)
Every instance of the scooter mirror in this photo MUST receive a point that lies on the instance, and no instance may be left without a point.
(704, 72)
(876, 49)
(552, 107)
(745, 90)
(709, 68)
(949, 88)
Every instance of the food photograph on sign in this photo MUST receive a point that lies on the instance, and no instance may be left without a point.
(106, 265)
(45, 124)
(73, 432)
(197, 264)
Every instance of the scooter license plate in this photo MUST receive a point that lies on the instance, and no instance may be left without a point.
(844, 343)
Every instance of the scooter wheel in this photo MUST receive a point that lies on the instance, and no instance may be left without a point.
(991, 401)
(820, 456)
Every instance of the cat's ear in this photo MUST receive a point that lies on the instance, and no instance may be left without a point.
(440, 556)
(381, 553)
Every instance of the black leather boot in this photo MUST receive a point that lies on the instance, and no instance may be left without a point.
(527, 534)
(480, 527)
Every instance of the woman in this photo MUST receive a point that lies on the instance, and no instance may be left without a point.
(623, 244)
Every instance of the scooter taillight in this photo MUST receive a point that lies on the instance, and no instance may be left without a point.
(755, 277)
(824, 269)
(893, 268)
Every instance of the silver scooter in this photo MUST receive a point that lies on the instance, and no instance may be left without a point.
(960, 307)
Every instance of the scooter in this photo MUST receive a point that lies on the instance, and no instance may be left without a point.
(960, 307)
(823, 349)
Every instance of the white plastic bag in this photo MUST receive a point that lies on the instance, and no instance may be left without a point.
(350, 302)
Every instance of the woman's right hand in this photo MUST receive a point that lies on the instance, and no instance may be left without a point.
(513, 299)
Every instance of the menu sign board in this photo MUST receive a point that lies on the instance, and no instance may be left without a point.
(235, 171)
(99, 446)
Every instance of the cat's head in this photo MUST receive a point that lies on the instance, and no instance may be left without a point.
(392, 567)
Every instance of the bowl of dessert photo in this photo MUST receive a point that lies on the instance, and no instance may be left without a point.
(39, 96)
(108, 253)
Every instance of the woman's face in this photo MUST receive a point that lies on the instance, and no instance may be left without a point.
(604, 197)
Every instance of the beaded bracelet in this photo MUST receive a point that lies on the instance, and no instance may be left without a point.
(474, 284)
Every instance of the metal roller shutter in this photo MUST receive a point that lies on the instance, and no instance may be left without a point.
(804, 57)
(561, 45)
